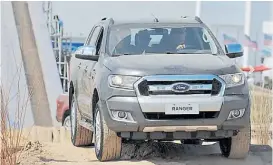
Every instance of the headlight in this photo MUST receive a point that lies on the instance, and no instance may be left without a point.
(120, 81)
(233, 79)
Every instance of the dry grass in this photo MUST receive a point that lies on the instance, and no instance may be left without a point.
(15, 98)
(261, 115)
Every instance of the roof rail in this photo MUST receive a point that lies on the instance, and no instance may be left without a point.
(110, 19)
(155, 19)
(198, 19)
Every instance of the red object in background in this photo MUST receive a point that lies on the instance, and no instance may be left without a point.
(62, 106)
(259, 68)
(63, 102)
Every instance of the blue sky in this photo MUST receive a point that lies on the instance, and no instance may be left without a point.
(79, 17)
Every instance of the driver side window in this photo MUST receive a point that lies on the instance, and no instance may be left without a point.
(100, 37)
(94, 36)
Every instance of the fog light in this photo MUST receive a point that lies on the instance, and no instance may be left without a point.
(122, 116)
(235, 114)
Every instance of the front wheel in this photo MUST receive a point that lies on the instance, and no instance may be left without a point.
(107, 143)
(236, 147)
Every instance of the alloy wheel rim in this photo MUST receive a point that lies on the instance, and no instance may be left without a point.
(67, 122)
(98, 132)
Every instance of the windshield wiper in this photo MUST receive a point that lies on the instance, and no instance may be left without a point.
(178, 53)
(170, 52)
(116, 55)
(190, 53)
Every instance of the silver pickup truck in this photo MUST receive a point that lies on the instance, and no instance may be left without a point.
(158, 80)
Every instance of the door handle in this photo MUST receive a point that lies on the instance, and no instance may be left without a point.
(85, 70)
(90, 76)
(79, 66)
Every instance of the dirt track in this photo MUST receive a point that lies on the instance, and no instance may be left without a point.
(146, 154)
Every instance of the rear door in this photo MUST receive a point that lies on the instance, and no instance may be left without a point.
(87, 75)
(77, 73)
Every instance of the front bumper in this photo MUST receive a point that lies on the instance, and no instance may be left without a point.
(132, 104)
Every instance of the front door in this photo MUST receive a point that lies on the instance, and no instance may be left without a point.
(87, 76)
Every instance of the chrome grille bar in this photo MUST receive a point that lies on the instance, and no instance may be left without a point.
(180, 77)
(162, 88)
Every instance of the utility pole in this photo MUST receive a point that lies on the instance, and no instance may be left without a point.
(32, 64)
(256, 54)
(247, 30)
(198, 8)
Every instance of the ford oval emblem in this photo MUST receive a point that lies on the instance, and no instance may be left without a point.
(181, 87)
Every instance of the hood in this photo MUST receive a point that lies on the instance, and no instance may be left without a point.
(143, 65)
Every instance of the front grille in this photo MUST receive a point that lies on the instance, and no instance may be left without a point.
(153, 86)
(163, 116)
(216, 87)
(165, 85)
(143, 88)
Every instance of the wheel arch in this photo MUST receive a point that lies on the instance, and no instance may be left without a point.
(71, 91)
(71, 87)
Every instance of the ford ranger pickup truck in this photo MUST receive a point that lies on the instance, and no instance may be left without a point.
(160, 80)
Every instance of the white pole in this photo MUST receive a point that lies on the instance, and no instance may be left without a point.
(247, 30)
(198, 8)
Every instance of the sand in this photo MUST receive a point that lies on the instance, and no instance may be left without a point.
(148, 153)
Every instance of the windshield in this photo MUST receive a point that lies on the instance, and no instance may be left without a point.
(130, 40)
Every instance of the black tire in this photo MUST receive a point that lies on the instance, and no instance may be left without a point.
(191, 141)
(81, 135)
(109, 146)
(236, 147)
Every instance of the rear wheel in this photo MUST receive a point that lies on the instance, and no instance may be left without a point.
(236, 147)
(66, 122)
(80, 136)
(107, 143)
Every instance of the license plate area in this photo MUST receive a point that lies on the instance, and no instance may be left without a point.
(181, 109)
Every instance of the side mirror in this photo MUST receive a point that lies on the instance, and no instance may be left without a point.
(234, 50)
(87, 53)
